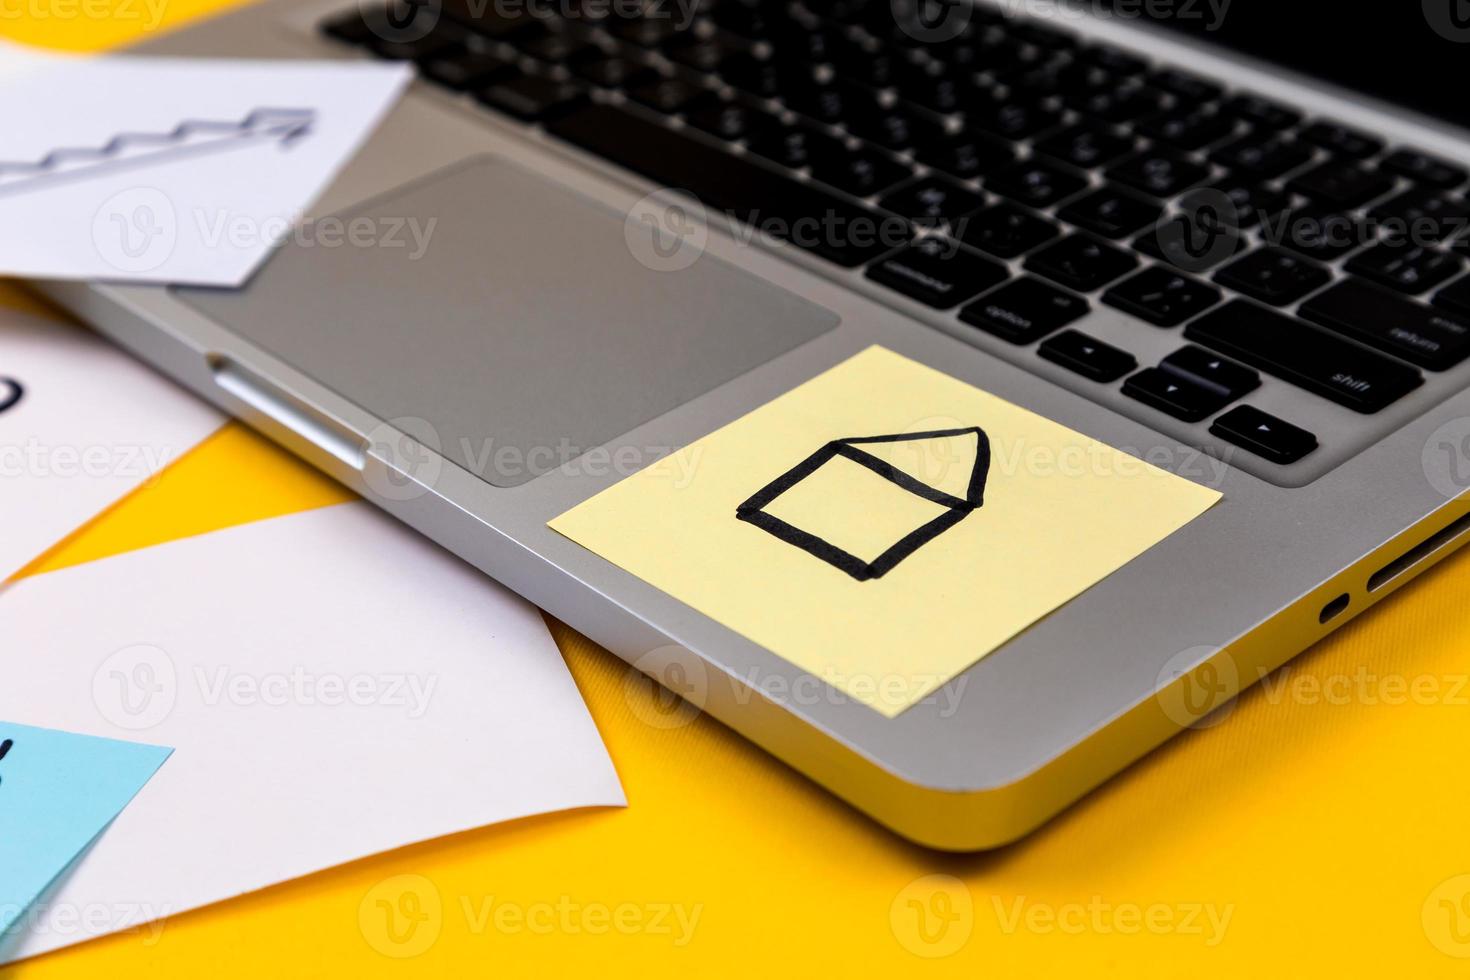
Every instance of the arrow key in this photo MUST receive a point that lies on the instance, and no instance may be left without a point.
(1265, 435)
(1090, 358)
(1174, 394)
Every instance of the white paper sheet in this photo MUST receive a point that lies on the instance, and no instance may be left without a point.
(90, 424)
(174, 170)
(333, 686)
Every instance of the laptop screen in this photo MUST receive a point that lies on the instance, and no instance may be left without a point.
(1412, 52)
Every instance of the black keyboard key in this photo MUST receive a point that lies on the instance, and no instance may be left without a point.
(1261, 112)
(1088, 357)
(943, 94)
(1191, 241)
(1313, 359)
(1174, 395)
(931, 201)
(1421, 216)
(1187, 87)
(1115, 60)
(937, 272)
(646, 32)
(469, 70)
(826, 102)
(614, 72)
(1024, 311)
(671, 95)
(1117, 105)
(1317, 232)
(1158, 172)
(1428, 337)
(1261, 159)
(1010, 119)
(796, 146)
(734, 121)
(839, 231)
(1110, 212)
(894, 128)
(1005, 231)
(349, 28)
(1081, 262)
(532, 99)
(1263, 434)
(493, 20)
(706, 54)
(1273, 275)
(1455, 297)
(758, 76)
(1341, 185)
(1341, 140)
(862, 173)
(560, 49)
(1404, 267)
(1424, 169)
(1210, 370)
(1162, 296)
(1035, 184)
(968, 156)
(444, 38)
(1084, 146)
(1188, 129)
(1248, 204)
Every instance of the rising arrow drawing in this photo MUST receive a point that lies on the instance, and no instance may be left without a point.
(192, 137)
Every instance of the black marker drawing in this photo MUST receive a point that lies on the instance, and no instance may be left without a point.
(957, 509)
(11, 392)
(192, 137)
(5, 747)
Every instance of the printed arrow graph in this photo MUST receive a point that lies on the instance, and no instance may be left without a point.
(192, 137)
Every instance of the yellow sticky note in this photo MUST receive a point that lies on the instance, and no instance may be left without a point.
(884, 525)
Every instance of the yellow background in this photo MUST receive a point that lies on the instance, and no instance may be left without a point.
(1061, 512)
(1331, 830)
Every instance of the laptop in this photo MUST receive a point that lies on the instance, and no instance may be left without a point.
(1229, 238)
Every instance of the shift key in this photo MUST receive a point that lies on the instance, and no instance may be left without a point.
(1417, 333)
(1318, 361)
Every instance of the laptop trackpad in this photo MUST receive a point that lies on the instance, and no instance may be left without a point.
(511, 314)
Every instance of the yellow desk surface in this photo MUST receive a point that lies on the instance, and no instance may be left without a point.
(1319, 830)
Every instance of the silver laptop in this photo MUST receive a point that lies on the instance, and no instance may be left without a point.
(1228, 236)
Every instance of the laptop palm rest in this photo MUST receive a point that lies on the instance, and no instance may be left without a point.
(509, 313)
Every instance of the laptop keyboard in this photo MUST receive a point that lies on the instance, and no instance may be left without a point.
(939, 168)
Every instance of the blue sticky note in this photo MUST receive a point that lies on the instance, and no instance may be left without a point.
(57, 792)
